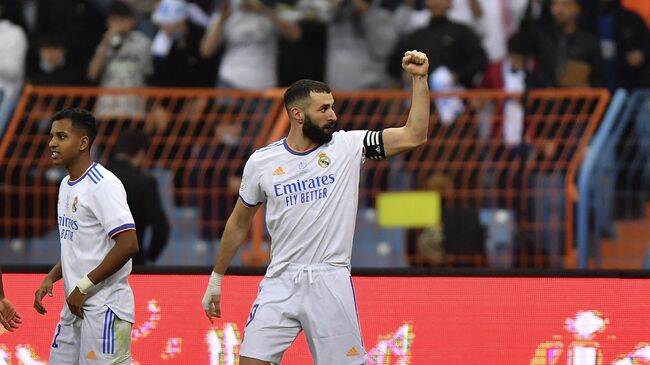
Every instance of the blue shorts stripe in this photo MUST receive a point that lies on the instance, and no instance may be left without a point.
(104, 350)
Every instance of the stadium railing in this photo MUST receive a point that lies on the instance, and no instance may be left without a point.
(507, 202)
(614, 229)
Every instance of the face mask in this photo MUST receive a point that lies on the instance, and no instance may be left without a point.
(48, 68)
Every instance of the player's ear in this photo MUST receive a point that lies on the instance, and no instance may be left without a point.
(297, 113)
(84, 143)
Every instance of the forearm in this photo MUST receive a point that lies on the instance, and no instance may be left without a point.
(234, 234)
(210, 42)
(417, 123)
(126, 246)
(97, 64)
(287, 29)
(56, 273)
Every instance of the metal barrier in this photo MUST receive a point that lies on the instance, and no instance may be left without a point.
(508, 203)
(615, 223)
(507, 183)
(200, 140)
(594, 180)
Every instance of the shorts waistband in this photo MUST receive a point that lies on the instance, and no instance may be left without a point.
(293, 267)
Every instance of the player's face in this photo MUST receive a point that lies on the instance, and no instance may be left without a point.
(66, 142)
(320, 118)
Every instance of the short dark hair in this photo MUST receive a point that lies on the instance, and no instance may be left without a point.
(120, 9)
(301, 89)
(132, 141)
(81, 119)
(51, 41)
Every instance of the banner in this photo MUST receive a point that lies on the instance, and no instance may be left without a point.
(404, 320)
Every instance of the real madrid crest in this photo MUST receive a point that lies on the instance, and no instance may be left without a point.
(323, 160)
(75, 201)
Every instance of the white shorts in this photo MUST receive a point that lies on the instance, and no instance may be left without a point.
(100, 338)
(318, 299)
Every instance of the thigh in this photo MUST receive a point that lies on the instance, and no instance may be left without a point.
(65, 344)
(272, 325)
(106, 339)
(331, 322)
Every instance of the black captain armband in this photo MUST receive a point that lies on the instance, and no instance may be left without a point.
(373, 145)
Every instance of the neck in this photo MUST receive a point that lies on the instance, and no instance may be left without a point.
(79, 166)
(298, 142)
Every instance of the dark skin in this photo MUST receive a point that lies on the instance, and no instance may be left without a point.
(8, 317)
(70, 147)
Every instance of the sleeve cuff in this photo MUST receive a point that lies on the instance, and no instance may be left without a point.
(247, 203)
(120, 229)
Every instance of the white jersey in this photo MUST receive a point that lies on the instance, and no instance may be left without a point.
(311, 199)
(92, 210)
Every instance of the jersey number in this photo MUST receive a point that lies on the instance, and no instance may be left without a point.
(252, 315)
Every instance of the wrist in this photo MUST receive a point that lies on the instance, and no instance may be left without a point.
(214, 284)
(84, 285)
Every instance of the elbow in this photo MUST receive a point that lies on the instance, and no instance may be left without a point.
(134, 248)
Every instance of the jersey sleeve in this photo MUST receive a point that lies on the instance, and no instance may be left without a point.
(250, 190)
(111, 209)
(369, 144)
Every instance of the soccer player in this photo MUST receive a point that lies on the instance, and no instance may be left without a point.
(310, 184)
(9, 318)
(98, 239)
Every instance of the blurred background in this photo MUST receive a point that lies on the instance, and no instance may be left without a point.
(539, 133)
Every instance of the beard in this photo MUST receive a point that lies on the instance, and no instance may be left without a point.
(315, 133)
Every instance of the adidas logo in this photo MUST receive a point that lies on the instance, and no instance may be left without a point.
(278, 171)
(352, 352)
(91, 355)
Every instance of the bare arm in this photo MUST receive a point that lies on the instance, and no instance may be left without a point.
(46, 287)
(9, 319)
(212, 38)
(234, 234)
(126, 246)
(96, 65)
(287, 29)
(414, 133)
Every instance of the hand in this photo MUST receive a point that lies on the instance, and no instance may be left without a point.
(75, 302)
(415, 63)
(45, 288)
(8, 316)
(212, 304)
(635, 58)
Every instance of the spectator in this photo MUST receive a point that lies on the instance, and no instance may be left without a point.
(248, 30)
(494, 21)
(80, 22)
(142, 194)
(450, 45)
(360, 40)
(176, 57)
(569, 55)
(122, 60)
(13, 48)
(625, 45)
(54, 67)
(313, 17)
